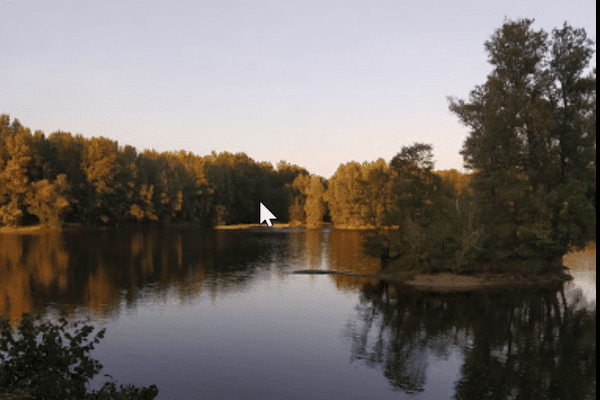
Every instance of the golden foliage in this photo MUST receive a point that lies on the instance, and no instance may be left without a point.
(47, 200)
(10, 214)
(100, 164)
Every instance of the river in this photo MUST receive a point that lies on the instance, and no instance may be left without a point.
(217, 314)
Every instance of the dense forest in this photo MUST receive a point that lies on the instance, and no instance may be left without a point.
(530, 194)
(65, 178)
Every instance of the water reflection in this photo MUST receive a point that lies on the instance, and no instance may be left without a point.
(306, 247)
(537, 344)
(29, 264)
(529, 345)
(345, 255)
(93, 268)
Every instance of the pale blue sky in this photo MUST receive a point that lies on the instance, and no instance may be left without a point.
(316, 83)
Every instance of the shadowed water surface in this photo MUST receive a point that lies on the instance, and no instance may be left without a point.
(217, 314)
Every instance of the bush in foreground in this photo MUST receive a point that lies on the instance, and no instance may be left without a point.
(37, 365)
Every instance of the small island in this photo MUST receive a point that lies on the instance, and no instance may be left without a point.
(448, 282)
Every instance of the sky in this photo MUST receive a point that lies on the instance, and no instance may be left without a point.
(314, 83)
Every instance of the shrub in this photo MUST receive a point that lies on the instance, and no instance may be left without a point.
(38, 366)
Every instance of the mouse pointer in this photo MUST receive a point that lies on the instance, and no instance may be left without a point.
(265, 215)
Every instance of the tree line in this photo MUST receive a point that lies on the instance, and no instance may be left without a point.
(69, 178)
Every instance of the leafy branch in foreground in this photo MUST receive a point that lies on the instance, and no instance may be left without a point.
(38, 364)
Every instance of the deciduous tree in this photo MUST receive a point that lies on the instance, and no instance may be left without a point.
(530, 144)
(48, 200)
(16, 152)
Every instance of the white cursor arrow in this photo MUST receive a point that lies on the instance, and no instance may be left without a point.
(265, 215)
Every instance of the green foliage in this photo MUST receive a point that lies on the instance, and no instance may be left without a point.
(359, 195)
(238, 183)
(532, 145)
(419, 228)
(299, 188)
(376, 195)
(377, 244)
(46, 361)
(64, 156)
(282, 195)
(109, 391)
(308, 206)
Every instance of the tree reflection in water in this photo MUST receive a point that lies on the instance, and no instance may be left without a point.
(537, 344)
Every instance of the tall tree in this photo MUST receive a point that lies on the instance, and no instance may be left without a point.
(527, 148)
(67, 159)
(48, 200)
(573, 99)
(376, 192)
(102, 202)
(343, 196)
(285, 193)
(314, 206)
(417, 230)
(16, 154)
(298, 208)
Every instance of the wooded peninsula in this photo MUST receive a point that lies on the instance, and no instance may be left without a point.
(529, 199)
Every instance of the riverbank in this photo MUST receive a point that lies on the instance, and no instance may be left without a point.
(449, 282)
(299, 226)
(26, 230)
(74, 226)
(445, 282)
(35, 229)
(249, 226)
(276, 225)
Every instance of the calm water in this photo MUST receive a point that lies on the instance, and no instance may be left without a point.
(217, 315)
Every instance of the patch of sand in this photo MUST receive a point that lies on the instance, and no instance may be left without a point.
(24, 230)
(448, 282)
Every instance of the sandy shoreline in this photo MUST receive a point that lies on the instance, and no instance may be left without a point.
(24, 230)
(449, 282)
(74, 226)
